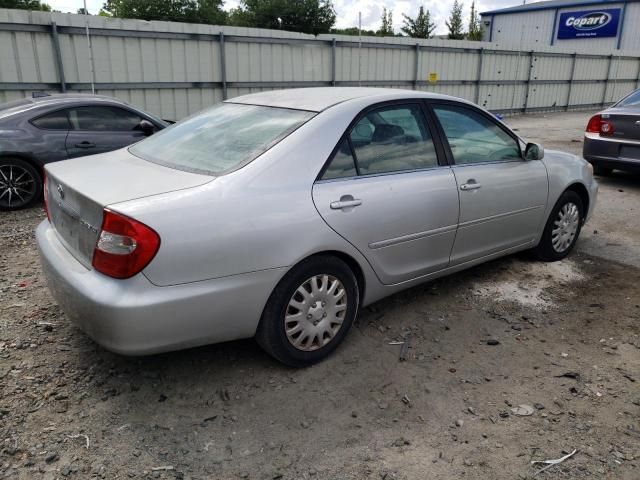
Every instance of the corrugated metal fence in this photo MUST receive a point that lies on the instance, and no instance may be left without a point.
(174, 69)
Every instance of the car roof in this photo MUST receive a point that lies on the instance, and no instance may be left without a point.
(318, 99)
(26, 104)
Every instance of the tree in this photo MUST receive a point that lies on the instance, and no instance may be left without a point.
(419, 27)
(308, 16)
(386, 28)
(192, 11)
(454, 24)
(475, 25)
(25, 5)
(81, 11)
(353, 31)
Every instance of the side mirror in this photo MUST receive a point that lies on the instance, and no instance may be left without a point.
(147, 127)
(533, 151)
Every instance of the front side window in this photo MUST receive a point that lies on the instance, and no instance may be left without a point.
(385, 140)
(473, 138)
(53, 121)
(221, 138)
(108, 119)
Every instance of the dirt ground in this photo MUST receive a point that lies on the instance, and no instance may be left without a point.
(563, 339)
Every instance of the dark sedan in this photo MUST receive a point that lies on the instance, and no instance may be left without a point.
(612, 137)
(37, 131)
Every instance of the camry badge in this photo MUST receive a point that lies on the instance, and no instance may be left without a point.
(61, 191)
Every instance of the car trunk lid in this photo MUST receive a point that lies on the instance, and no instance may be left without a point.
(78, 190)
(626, 123)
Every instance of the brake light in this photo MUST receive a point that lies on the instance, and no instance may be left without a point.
(125, 246)
(594, 124)
(598, 125)
(46, 197)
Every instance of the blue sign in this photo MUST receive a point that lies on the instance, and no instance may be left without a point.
(589, 23)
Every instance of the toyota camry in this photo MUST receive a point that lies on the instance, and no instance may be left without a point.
(276, 215)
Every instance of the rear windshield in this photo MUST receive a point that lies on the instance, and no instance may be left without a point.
(221, 138)
(632, 100)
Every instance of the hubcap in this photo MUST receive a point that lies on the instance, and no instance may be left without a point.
(565, 227)
(315, 312)
(17, 186)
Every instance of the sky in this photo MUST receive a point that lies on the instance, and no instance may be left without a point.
(347, 10)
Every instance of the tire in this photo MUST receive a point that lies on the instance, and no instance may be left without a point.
(323, 319)
(559, 239)
(20, 184)
(602, 171)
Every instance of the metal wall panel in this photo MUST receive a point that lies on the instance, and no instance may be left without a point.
(175, 69)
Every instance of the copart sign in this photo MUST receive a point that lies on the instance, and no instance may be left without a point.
(589, 23)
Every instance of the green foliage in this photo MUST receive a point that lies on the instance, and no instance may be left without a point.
(475, 24)
(386, 28)
(25, 5)
(353, 31)
(454, 24)
(419, 27)
(192, 11)
(308, 16)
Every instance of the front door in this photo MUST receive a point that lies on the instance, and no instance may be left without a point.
(385, 192)
(502, 196)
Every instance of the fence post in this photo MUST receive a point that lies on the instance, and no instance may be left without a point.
(333, 62)
(417, 75)
(573, 72)
(606, 82)
(479, 74)
(223, 67)
(526, 94)
(58, 53)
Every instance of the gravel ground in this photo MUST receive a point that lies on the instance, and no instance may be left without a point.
(561, 340)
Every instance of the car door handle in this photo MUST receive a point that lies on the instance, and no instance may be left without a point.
(470, 186)
(345, 204)
(85, 144)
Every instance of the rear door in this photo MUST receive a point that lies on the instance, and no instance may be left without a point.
(502, 196)
(385, 191)
(98, 129)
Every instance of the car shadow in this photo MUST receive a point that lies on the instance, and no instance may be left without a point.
(620, 179)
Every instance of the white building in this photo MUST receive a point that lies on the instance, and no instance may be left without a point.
(580, 25)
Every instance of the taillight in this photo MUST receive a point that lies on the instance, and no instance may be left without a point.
(598, 125)
(606, 128)
(46, 197)
(594, 124)
(125, 246)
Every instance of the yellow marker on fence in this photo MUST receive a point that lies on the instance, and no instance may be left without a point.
(433, 77)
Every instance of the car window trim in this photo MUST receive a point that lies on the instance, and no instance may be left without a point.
(363, 113)
(431, 103)
(61, 109)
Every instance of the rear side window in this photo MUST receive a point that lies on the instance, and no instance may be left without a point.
(53, 121)
(473, 138)
(110, 119)
(385, 140)
(221, 138)
(632, 100)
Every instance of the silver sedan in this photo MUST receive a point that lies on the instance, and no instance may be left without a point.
(278, 214)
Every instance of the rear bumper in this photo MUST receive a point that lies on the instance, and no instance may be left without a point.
(135, 317)
(606, 153)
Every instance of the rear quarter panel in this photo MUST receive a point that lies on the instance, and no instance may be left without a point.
(259, 217)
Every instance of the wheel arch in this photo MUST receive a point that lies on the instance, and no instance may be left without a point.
(27, 158)
(583, 193)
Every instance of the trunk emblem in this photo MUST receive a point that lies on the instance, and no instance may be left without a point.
(61, 191)
(638, 123)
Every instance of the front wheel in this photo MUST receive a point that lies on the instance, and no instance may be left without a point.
(20, 184)
(562, 229)
(309, 312)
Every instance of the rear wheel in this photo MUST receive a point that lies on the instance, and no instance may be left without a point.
(562, 229)
(309, 312)
(20, 184)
